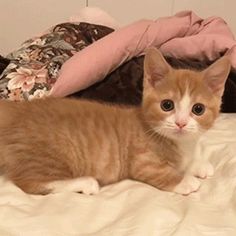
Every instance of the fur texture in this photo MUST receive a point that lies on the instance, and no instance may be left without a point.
(49, 143)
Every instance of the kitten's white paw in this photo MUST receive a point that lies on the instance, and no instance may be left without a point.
(188, 185)
(86, 185)
(90, 186)
(203, 171)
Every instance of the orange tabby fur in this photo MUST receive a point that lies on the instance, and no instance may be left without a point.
(59, 139)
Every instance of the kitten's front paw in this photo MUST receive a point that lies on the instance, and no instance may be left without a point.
(203, 171)
(188, 185)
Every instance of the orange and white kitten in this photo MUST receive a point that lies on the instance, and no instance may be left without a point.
(54, 145)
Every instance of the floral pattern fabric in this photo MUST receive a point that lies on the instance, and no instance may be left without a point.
(34, 67)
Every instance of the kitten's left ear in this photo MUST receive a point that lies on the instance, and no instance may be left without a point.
(216, 75)
(155, 67)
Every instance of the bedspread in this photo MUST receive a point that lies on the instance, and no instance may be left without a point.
(131, 208)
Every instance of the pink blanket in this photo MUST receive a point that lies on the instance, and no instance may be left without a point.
(184, 35)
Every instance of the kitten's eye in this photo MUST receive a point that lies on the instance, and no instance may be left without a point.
(198, 109)
(167, 105)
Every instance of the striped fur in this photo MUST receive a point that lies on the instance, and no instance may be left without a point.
(50, 140)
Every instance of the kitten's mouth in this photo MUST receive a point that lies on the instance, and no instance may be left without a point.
(180, 131)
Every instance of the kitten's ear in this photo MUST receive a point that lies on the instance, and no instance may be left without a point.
(216, 75)
(155, 66)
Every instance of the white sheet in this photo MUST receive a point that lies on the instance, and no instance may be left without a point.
(131, 208)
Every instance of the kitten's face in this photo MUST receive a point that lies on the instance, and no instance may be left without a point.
(181, 103)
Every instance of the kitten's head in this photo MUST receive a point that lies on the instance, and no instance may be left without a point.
(177, 102)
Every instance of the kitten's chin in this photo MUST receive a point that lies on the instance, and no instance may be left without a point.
(178, 134)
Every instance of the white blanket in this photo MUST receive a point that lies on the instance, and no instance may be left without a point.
(131, 208)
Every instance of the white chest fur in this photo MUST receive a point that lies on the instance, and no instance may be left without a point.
(187, 149)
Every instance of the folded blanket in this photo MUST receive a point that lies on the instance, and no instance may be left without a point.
(184, 35)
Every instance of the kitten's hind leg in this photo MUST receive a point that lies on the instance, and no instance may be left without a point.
(86, 185)
(43, 177)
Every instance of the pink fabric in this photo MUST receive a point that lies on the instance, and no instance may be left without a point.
(184, 35)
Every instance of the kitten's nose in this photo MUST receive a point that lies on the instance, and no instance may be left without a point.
(181, 124)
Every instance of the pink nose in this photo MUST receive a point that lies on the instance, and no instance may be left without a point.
(181, 124)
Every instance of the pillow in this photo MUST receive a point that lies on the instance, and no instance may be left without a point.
(95, 15)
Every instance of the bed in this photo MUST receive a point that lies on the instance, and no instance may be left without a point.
(129, 207)
(133, 208)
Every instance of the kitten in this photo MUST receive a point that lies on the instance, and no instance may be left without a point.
(53, 145)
